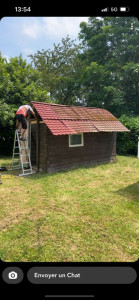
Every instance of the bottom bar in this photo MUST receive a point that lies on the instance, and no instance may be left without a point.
(69, 296)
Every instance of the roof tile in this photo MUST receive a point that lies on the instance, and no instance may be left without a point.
(62, 119)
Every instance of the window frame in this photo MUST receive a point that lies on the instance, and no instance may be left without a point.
(77, 145)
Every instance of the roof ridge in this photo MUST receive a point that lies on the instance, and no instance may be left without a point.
(56, 104)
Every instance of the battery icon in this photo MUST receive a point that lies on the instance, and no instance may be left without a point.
(124, 9)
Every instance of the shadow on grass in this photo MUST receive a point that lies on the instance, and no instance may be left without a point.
(7, 161)
(131, 191)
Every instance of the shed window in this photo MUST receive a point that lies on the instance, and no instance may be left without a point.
(76, 140)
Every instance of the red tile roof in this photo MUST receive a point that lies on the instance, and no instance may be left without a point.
(64, 119)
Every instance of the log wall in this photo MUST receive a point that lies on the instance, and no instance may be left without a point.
(56, 155)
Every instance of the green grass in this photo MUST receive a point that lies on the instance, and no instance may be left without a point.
(82, 215)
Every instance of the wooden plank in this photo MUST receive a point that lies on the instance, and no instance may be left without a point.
(38, 143)
(35, 122)
(99, 147)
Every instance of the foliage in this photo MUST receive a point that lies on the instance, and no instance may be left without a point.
(59, 70)
(24, 83)
(113, 46)
(19, 84)
(127, 142)
(6, 139)
(101, 71)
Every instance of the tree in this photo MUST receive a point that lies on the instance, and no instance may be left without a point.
(59, 70)
(24, 83)
(19, 84)
(127, 142)
(113, 46)
(130, 84)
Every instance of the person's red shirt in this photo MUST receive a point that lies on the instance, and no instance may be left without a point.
(23, 110)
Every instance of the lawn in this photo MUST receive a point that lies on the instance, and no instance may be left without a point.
(82, 215)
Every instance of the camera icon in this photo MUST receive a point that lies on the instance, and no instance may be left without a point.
(12, 275)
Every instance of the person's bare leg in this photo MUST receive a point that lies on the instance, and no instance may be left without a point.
(17, 123)
(20, 127)
(22, 132)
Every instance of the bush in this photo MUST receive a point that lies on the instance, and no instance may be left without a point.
(6, 140)
(127, 142)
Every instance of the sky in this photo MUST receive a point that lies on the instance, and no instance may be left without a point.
(27, 35)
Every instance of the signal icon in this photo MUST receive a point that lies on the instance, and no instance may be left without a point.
(105, 9)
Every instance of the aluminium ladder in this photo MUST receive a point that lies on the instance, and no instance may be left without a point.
(21, 155)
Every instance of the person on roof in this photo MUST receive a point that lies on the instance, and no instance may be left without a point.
(21, 116)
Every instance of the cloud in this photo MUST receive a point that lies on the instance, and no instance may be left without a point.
(53, 27)
(62, 26)
(7, 57)
(32, 28)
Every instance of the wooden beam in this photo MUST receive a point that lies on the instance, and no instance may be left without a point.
(29, 130)
(38, 143)
(35, 122)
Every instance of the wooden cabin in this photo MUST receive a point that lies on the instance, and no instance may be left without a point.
(64, 137)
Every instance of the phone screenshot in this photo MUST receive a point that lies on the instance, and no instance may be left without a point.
(69, 152)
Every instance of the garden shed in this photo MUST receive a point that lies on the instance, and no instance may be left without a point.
(64, 137)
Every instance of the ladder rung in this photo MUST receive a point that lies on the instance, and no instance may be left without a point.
(27, 173)
(25, 167)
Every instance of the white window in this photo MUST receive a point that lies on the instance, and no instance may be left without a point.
(76, 140)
